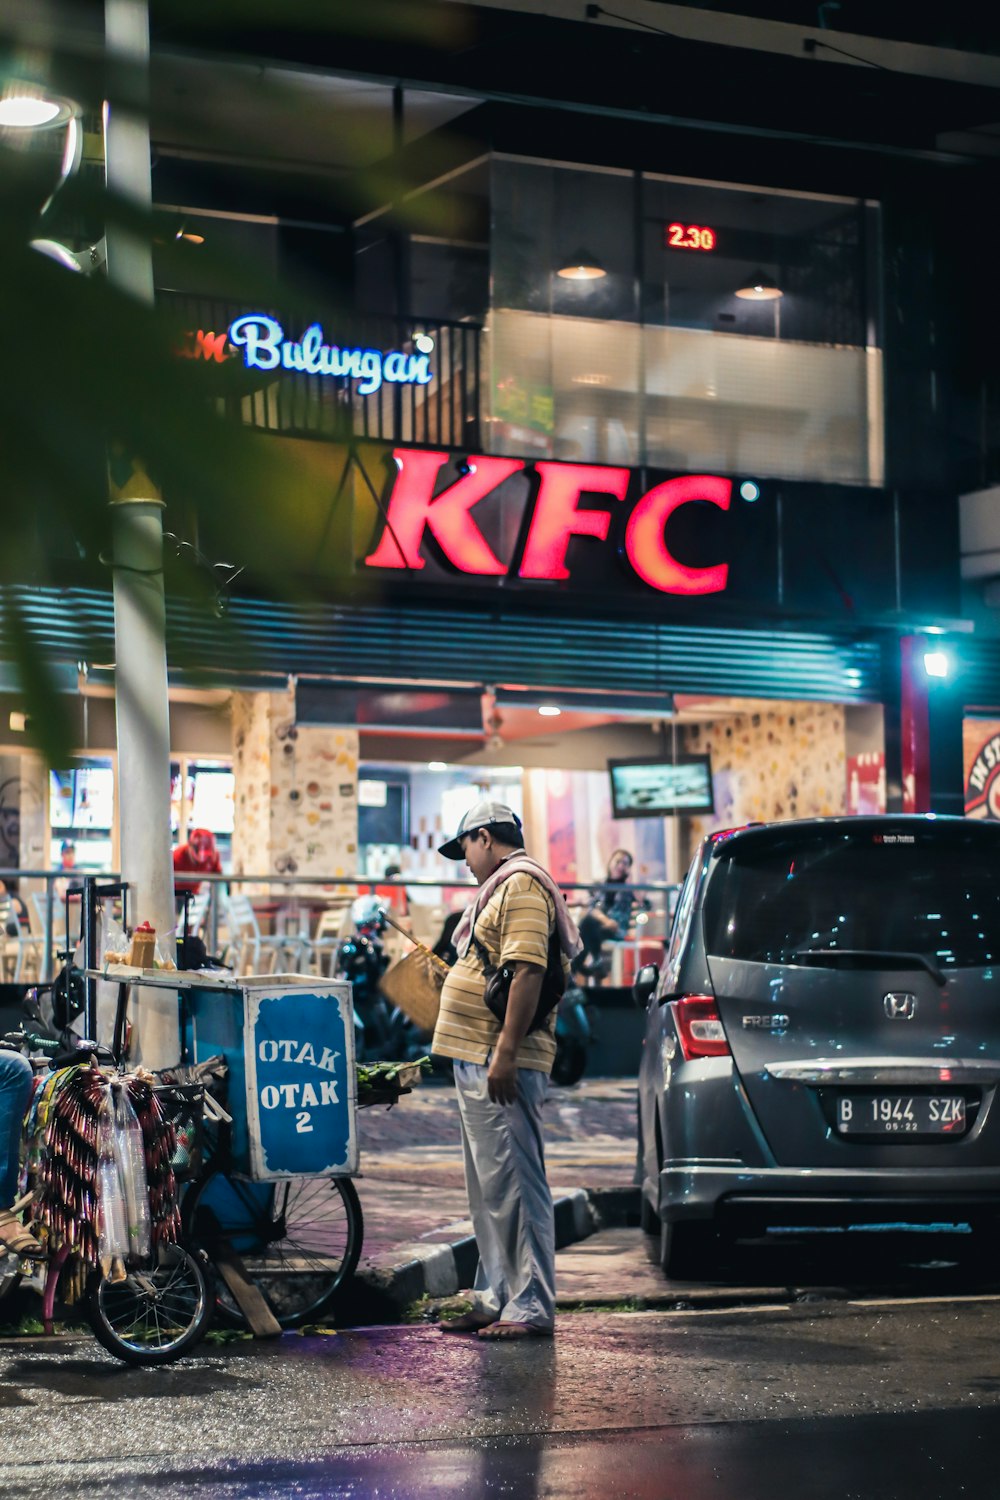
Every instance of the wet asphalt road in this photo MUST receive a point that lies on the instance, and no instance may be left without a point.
(866, 1399)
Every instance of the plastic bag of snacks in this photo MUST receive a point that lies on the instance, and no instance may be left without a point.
(115, 943)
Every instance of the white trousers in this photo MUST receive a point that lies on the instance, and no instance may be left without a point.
(509, 1199)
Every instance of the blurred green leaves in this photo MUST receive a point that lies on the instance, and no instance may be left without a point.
(91, 373)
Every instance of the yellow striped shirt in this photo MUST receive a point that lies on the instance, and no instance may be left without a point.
(513, 927)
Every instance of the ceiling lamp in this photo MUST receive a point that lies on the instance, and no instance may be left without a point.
(191, 236)
(581, 266)
(760, 287)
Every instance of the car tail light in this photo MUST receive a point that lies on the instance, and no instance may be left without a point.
(699, 1027)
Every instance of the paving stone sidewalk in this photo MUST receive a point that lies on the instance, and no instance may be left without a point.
(418, 1239)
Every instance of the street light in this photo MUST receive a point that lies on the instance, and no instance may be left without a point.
(24, 106)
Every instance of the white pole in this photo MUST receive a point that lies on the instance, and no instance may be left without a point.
(141, 700)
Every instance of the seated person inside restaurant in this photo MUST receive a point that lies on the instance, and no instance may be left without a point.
(609, 917)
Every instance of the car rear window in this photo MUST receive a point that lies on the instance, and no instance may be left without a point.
(933, 890)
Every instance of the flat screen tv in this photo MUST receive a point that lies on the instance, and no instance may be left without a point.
(659, 788)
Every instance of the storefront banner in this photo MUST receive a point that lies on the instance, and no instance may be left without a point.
(866, 782)
(981, 757)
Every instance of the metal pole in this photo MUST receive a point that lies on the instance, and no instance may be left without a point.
(140, 613)
(48, 967)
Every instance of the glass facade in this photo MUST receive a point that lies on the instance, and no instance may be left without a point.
(719, 328)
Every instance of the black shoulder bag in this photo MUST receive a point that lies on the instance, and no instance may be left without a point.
(499, 976)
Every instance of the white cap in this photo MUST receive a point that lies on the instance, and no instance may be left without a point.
(482, 814)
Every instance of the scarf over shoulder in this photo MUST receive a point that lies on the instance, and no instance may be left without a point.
(518, 864)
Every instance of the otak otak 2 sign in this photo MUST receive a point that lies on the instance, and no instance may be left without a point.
(423, 507)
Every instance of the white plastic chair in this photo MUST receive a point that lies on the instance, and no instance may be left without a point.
(58, 934)
(333, 927)
(22, 950)
(253, 948)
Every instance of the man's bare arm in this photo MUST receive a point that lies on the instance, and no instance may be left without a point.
(522, 1002)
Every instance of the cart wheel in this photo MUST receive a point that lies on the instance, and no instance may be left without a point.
(154, 1317)
(300, 1239)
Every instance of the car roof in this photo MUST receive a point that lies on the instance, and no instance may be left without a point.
(723, 843)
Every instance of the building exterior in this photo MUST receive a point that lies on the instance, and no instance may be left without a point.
(633, 362)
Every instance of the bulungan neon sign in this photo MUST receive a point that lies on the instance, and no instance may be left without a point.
(413, 509)
(265, 347)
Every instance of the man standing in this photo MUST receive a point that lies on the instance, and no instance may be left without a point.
(502, 1071)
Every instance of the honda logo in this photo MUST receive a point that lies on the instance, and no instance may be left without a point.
(900, 1006)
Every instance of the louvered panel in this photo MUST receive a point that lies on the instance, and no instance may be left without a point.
(980, 674)
(414, 643)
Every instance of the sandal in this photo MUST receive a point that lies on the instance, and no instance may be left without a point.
(469, 1322)
(502, 1332)
(16, 1239)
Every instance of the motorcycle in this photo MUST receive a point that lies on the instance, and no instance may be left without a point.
(382, 1033)
(574, 1035)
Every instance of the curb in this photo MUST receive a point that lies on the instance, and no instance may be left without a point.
(389, 1283)
(384, 1286)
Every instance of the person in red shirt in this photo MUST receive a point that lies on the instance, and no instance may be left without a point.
(198, 856)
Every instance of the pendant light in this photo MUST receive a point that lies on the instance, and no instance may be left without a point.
(581, 266)
(760, 287)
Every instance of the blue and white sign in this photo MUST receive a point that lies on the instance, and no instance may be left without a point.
(265, 347)
(301, 1082)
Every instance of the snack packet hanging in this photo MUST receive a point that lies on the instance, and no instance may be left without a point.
(112, 1234)
(131, 1156)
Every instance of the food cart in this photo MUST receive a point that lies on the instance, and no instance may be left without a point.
(288, 1043)
(273, 1205)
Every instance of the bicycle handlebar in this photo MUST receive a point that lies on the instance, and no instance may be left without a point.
(30, 1039)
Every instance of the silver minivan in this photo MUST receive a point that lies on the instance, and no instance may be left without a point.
(822, 1041)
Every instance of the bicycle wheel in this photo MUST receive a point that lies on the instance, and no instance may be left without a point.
(299, 1239)
(154, 1316)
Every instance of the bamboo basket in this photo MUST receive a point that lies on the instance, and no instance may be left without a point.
(414, 983)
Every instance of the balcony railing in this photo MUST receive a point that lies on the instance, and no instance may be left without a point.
(443, 412)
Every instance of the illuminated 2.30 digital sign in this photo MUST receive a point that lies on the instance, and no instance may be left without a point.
(689, 237)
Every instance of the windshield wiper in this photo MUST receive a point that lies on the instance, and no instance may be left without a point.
(830, 955)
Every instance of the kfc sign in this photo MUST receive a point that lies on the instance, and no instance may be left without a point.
(417, 507)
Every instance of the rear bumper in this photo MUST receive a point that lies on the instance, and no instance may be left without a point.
(732, 1193)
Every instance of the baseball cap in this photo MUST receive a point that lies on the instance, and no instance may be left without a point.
(480, 815)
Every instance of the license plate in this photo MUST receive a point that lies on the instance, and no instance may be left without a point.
(901, 1114)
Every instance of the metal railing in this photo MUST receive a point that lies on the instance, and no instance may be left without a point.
(298, 905)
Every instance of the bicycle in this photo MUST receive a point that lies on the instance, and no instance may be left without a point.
(298, 1240)
(152, 1312)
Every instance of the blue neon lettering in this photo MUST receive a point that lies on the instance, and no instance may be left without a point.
(417, 370)
(350, 363)
(259, 337)
(312, 349)
(371, 370)
(265, 347)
